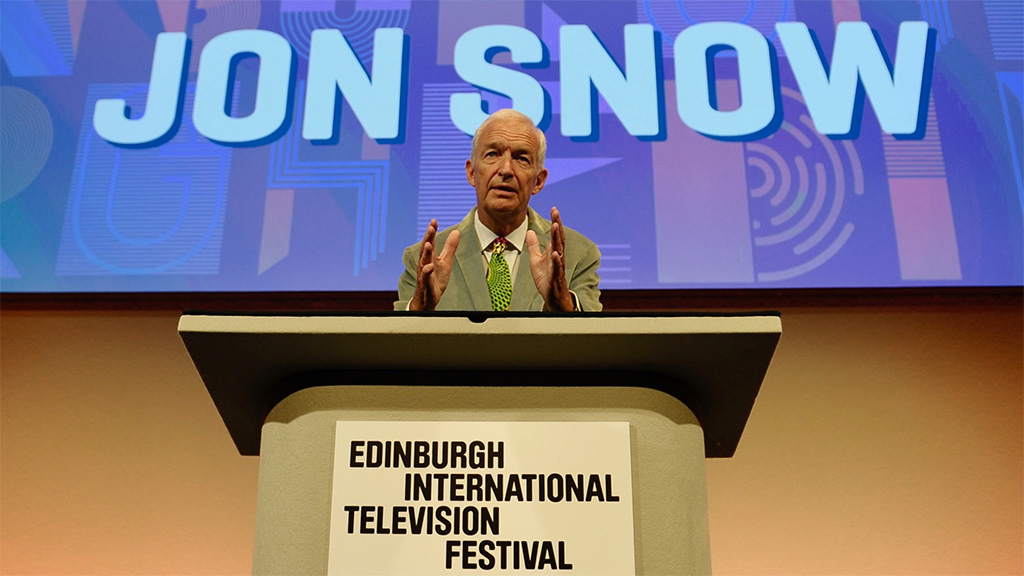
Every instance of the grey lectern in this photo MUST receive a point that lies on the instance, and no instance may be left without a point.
(685, 384)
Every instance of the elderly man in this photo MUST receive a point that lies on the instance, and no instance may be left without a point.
(479, 266)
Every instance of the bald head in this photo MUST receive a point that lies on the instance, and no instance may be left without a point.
(513, 116)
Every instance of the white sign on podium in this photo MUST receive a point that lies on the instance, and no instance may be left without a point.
(442, 498)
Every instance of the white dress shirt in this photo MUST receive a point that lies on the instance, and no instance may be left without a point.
(516, 245)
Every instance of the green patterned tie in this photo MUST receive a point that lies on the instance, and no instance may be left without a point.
(499, 281)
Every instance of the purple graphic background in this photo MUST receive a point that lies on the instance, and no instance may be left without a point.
(795, 209)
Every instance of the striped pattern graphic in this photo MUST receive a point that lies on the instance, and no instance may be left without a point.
(922, 158)
(444, 193)
(366, 178)
(1006, 29)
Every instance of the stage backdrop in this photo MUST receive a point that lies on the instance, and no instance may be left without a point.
(230, 145)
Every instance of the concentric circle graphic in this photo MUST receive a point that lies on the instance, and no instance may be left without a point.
(670, 17)
(26, 138)
(214, 17)
(800, 181)
(357, 27)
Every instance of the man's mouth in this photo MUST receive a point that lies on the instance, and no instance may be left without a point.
(504, 189)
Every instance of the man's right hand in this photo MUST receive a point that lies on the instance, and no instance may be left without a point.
(433, 271)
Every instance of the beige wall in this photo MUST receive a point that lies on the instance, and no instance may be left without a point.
(884, 441)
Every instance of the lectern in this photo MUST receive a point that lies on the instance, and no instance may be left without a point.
(325, 400)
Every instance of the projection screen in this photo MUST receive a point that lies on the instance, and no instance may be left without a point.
(301, 145)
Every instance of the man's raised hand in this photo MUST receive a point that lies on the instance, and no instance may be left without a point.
(548, 268)
(433, 271)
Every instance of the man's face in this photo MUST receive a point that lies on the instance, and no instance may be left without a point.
(505, 172)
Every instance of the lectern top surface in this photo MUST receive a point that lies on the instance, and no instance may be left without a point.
(712, 363)
(487, 324)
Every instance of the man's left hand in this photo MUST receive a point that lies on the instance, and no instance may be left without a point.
(548, 268)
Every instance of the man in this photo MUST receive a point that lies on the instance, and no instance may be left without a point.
(480, 266)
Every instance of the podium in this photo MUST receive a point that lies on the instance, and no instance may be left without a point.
(684, 384)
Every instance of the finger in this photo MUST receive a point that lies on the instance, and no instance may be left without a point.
(558, 269)
(556, 217)
(426, 254)
(556, 225)
(532, 245)
(557, 238)
(450, 245)
(428, 238)
(428, 235)
(425, 259)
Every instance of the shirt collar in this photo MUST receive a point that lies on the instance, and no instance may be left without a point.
(516, 239)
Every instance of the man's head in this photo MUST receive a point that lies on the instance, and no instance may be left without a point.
(506, 169)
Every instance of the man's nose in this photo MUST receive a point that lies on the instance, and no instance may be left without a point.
(505, 166)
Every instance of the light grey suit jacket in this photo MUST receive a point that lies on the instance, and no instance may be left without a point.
(467, 287)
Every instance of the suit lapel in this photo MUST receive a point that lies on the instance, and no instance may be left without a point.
(469, 265)
(524, 293)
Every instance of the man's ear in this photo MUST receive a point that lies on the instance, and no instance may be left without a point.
(470, 172)
(542, 177)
